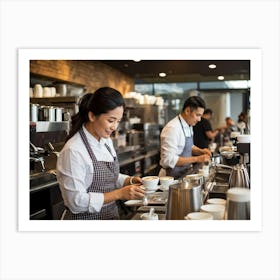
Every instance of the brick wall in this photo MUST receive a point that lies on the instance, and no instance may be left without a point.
(91, 74)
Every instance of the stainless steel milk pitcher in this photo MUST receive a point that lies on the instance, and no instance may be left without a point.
(183, 198)
(239, 177)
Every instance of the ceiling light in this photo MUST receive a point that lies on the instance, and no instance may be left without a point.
(137, 60)
(212, 66)
(221, 77)
(162, 74)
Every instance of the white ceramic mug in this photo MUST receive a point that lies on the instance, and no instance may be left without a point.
(47, 92)
(199, 216)
(38, 91)
(146, 216)
(219, 201)
(218, 211)
(166, 181)
(150, 182)
(31, 92)
(53, 91)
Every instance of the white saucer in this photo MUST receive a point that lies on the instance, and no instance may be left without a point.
(163, 189)
(133, 202)
(149, 192)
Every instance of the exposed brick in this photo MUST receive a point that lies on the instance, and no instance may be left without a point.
(91, 74)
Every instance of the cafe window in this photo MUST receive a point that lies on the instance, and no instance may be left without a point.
(145, 88)
(239, 84)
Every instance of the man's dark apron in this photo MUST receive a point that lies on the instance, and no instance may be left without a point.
(104, 179)
(179, 171)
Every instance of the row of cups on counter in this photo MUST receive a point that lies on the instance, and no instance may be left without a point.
(235, 207)
(48, 113)
(150, 183)
(214, 209)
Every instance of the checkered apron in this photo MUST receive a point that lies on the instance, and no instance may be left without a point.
(104, 180)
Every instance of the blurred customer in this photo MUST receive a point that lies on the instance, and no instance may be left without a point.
(178, 152)
(224, 136)
(203, 133)
(242, 123)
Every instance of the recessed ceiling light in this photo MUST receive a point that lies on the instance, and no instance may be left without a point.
(212, 66)
(137, 60)
(162, 74)
(221, 77)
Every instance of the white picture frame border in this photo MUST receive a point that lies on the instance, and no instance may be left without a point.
(252, 54)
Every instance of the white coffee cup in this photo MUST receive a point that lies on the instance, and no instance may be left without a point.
(47, 92)
(212, 147)
(218, 211)
(38, 91)
(218, 201)
(199, 216)
(166, 181)
(147, 216)
(53, 91)
(31, 94)
(150, 182)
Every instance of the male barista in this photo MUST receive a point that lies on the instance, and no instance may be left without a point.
(178, 153)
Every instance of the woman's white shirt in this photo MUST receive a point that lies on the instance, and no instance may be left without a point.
(173, 141)
(75, 172)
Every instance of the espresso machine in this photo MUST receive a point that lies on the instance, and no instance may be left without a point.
(48, 130)
(240, 173)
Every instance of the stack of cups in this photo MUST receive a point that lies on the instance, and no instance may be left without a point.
(238, 204)
(204, 171)
(216, 210)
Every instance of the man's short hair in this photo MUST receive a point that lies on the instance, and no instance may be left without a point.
(194, 102)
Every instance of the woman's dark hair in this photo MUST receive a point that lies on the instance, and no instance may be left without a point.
(100, 102)
(193, 103)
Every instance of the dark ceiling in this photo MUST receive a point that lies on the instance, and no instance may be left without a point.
(146, 71)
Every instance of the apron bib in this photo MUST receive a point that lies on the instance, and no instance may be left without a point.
(179, 171)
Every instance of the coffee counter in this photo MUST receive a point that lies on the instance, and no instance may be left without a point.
(46, 202)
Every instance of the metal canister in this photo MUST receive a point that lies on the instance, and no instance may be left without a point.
(43, 113)
(34, 111)
(58, 114)
(66, 116)
(183, 198)
(51, 114)
(238, 204)
(47, 113)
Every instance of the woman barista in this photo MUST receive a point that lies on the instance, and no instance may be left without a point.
(178, 152)
(87, 167)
